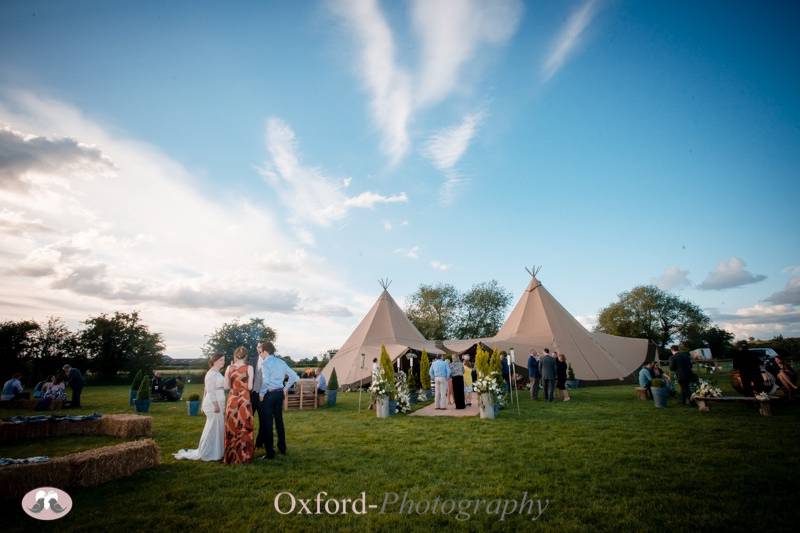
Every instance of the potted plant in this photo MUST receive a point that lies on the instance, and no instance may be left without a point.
(425, 374)
(193, 404)
(660, 392)
(572, 383)
(402, 395)
(333, 385)
(388, 373)
(143, 396)
(379, 390)
(137, 379)
(413, 387)
(488, 391)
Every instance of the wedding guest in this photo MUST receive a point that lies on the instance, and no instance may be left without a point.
(56, 391)
(505, 371)
(681, 364)
(271, 394)
(468, 381)
(534, 375)
(440, 372)
(258, 379)
(784, 375)
(646, 378)
(12, 389)
(561, 376)
(75, 381)
(322, 383)
(457, 377)
(239, 410)
(212, 441)
(547, 369)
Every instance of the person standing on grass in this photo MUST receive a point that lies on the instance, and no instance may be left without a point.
(534, 375)
(239, 410)
(258, 379)
(271, 394)
(440, 373)
(561, 376)
(547, 369)
(212, 441)
(506, 371)
(681, 364)
(457, 377)
(75, 381)
(468, 387)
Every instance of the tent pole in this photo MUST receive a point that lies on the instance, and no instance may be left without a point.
(513, 379)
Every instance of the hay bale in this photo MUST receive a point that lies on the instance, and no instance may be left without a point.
(13, 432)
(17, 480)
(94, 467)
(126, 426)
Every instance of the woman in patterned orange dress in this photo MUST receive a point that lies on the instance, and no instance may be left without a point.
(239, 410)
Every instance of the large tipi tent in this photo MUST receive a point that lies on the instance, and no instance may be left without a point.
(385, 324)
(538, 321)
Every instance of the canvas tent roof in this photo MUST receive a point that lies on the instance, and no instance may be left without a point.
(539, 321)
(384, 324)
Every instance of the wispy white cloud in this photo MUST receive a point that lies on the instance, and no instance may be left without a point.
(789, 295)
(411, 253)
(438, 265)
(761, 321)
(673, 278)
(306, 191)
(94, 245)
(446, 147)
(729, 274)
(450, 34)
(567, 40)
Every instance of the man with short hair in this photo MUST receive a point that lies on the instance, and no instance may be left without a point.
(440, 373)
(75, 380)
(646, 379)
(534, 375)
(258, 379)
(681, 364)
(274, 371)
(322, 383)
(547, 369)
(12, 389)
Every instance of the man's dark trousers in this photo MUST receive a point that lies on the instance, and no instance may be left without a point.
(272, 408)
(684, 391)
(76, 396)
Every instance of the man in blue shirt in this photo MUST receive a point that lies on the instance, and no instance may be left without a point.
(534, 375)
(12, 389)
(646, 379)
(440, 373)
(274, 371)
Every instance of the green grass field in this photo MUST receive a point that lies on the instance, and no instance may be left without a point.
(604, 461)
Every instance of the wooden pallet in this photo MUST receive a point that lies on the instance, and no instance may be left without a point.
(305, 396)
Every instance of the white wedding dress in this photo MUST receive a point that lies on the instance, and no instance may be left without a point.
(212, 441)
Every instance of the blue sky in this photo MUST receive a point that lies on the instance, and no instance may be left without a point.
(201, 163)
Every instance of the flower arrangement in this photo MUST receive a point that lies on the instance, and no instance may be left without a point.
(706, 390)
(401, 392)
(491, 385)
(762, 396)
(380, 386)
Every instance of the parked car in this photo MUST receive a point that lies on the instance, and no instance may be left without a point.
(765, 354)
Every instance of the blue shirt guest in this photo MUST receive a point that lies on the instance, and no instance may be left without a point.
(322, 383)
(12, 389)
(440, 373)
(75, 382)
(646, 379)
(273, 373)
(534, 375)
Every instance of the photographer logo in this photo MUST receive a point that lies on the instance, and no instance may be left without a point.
(46, 503)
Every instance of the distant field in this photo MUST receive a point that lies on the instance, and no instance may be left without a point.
(604, 461)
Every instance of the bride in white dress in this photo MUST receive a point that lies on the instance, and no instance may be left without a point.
(212, 441)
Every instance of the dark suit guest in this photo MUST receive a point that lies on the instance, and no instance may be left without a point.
(547, 369)
(506, 372)
(681, 364)
(75, 381)
(534, 375)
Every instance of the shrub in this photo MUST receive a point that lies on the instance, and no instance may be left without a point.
(657, 383)
(333, 384)
(482, 362)
(388, 370)
(137, 379)
(413, 382)
(194, 397)
(425, 370)
(570, 372)
(144, 389)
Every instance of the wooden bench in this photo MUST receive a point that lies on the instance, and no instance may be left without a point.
(305, 395)
(764, 408)
(641, 393)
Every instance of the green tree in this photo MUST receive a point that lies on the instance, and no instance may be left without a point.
(481, 310)
(120, 342)
(425, 370)
(433, 309)
(53, 346)
(234, 334)
(649, 312)
(388, 371)
(17, 344)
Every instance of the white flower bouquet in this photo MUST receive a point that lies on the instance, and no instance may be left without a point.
(706, 390)
(490, 384)
(380, 386)
(402, 393)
